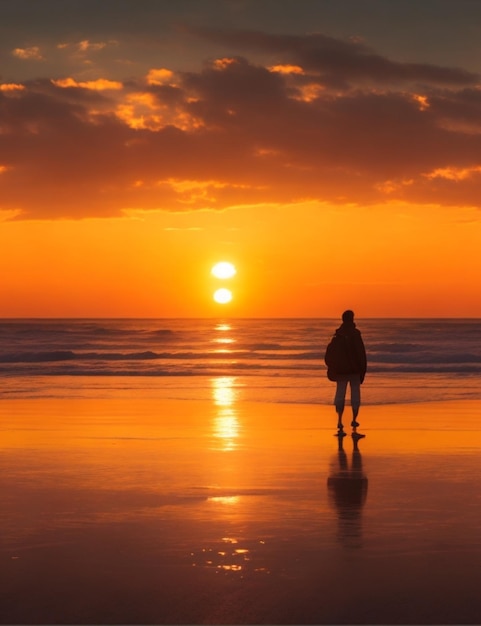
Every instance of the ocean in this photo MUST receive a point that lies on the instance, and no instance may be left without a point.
(269, 360)
(181, 471)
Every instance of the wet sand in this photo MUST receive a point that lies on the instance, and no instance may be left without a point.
(180, 512)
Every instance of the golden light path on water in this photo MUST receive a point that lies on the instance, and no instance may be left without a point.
(228, 555)
(224, 395)
(226, 425)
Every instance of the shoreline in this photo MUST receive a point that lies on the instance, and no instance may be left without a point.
(309, 389)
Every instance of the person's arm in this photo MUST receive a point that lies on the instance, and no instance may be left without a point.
(362, 357)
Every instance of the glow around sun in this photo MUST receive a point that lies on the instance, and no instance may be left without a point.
(223, 270)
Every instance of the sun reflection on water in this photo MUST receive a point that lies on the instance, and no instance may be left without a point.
(225, 499)
(226, 423)
(224, 340)
(223, 327)
(223, 391)
(228, 557)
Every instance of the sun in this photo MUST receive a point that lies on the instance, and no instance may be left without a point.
(224, 269)
(223, 296)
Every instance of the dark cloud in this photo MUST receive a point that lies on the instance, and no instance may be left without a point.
(238, 132)
(339, 62)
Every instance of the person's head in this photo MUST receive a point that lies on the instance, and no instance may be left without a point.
(348, 317)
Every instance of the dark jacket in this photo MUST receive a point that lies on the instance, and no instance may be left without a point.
(346, 353)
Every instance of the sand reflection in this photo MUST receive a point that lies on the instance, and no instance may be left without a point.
(347, 488)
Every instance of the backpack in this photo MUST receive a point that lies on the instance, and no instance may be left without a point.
(338, 357)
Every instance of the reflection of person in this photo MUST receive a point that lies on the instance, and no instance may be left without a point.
(346, 363)
(347, 488)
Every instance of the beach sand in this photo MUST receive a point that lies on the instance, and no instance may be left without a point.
(151, 511)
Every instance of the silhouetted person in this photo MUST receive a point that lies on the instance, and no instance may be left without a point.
(346, 364)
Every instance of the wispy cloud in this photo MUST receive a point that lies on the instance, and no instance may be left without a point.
(100, 84)
(28, 54)
(85, 46)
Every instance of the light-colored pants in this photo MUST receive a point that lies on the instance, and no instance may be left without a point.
(354, 381)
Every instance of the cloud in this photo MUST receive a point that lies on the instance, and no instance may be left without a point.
(160, 76)
(454, 173)
(11, 87)
(338, 62)
(100, 84)
(240, 132)
(28, 54)
(84, 46)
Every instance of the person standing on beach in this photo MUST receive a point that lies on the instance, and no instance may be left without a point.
(346, 362)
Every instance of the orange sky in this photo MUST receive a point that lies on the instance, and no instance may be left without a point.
(330, 174)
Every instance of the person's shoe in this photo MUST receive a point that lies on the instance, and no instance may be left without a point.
(340, 433)
(354, 424)
(357, 436)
